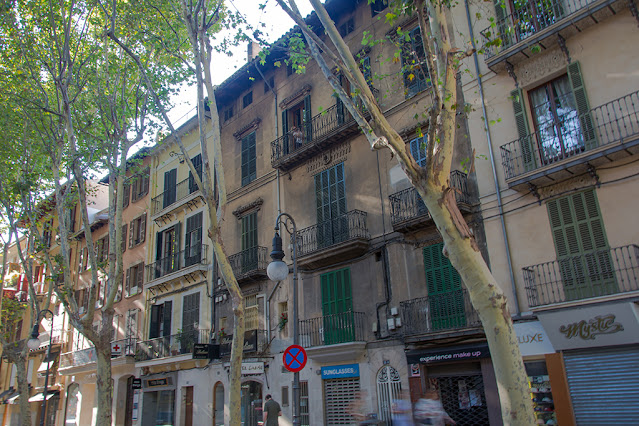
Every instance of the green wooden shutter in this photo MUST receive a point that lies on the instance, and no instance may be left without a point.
(337, 306)
(197, 163)
(166, 318)
(170, 181)
(583, 254)
(583, 107)
(330, 196)
(502, 26)
(445, 294)
(154, 327)
(525, 138)
(248, 159)
(339, 104)
(249, 242)
(308, 119)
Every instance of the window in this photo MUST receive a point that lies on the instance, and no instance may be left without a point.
(102, 249)
(414, 68)
(190, 319)
(99, 301)
(249, 242)
(47, 233)
(248, 159)
(289, 69)
(193, 240)
(284, 396)
(83, 260)
(347, 27)
(247, 99)
(167, 254)
(377, 6)
(445, 293)
(330, 199)
(140, 185)
(134, 279)
(170, 188)
(251, 313)
(71, 218)
(137, 231)
(197, 163)
(418, 150)
(228, 113)
(296, 124)
(160, 320)
(304, 408)
(581, 245)
(365, 67)
(126, 195)
(124, 229)
(271, 83)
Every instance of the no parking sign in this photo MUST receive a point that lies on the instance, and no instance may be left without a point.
(294, 358)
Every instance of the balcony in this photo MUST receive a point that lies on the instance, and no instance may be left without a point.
(86, 359)
(531, 26)
(249, 264)
(181, 263)
(327, 128)
(339, 239)
(567, 147)
(438, 313)
(408, 211)
(334, 337)
(170, 346)
(171, 199)
(255, 342)
(586, 276)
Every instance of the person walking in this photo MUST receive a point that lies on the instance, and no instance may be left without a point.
(272, 411)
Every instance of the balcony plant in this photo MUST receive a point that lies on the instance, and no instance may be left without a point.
(283, 320)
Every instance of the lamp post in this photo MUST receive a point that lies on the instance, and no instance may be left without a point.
(34, 343)
(277, 270)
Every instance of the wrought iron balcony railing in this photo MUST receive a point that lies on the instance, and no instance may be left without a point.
(613, 122)
(173, 195)
(525, 20)
(174, 345)
(439, 312)
(332, 329)
(598, 273)
(193, 255)
(120, 348)
(407, 204)
(250, 261)
(325, 234)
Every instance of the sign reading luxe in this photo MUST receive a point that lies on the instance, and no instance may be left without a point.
(588, 330)
(340, 371)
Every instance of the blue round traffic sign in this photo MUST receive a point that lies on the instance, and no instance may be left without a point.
(294, 358)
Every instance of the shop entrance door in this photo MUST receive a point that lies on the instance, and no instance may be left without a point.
(463, 398)
(251, 403)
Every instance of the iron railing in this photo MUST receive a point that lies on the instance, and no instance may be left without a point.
(252, 339)
(408, 205)
(343, 228)
(249, 261)
(173, 195)
(598, 273)
(174, 345)
(526, 20)
(125, 347)
(439, 312)
(332, 329)
(322, 125)
(573, 135)
(193, 255)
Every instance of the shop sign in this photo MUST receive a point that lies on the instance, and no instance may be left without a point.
(157, 382)
(249, 368)
(585, 327)
(533, 339)
(340, 371)
(136, 384)
(456, 353)
(250, 341)
(206, 351)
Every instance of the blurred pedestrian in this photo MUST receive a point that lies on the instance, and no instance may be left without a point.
(356, 408)
(402, 410)
(429, 410)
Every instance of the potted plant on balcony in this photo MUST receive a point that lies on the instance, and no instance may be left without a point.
(283, 320)
(221, 334)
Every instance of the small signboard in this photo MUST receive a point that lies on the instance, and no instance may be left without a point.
(294, 358)
(206, 351)
(250, 368)
(340, 371)
(136, 384)
(116, 349)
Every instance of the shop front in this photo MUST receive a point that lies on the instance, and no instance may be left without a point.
(341, 387)
(462, 376)
(600, 349)
(158, 400)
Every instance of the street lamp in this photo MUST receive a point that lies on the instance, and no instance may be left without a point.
(277, 270)
(34, 343)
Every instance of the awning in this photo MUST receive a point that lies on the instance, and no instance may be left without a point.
(13, 399)
(38, 397)
(44, 365)
(6, 393)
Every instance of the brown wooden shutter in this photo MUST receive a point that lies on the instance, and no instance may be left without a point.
(127, 194)
(124, 228)
(140, 278)
(131, 233)
(142, 231)
(145, 183)
(128, 282)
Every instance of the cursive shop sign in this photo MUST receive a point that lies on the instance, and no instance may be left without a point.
(588, 330)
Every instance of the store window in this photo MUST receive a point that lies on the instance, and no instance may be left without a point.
(218, 404)
(541, 392)
(251, 403)
(71, 414)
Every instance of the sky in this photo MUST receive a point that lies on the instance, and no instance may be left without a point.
(276, 22)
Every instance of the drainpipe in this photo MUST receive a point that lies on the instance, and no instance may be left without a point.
(492, 162)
